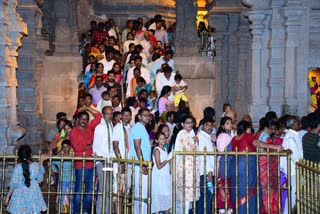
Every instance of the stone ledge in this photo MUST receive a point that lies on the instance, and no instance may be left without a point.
(72, 59)
(195, 67)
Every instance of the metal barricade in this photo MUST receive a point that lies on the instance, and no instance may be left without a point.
(308, 187)
(58, 186)
(131, 188)
(109, 198)
(243, 182)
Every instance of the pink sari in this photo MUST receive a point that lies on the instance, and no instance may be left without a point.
(269, 204)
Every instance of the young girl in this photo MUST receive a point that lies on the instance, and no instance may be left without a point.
(224, 138)
(166, 131)
(24, 194)
(161, 185)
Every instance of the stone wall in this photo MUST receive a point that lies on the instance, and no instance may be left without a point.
(60, 78)
(199, 74)
(29, 74)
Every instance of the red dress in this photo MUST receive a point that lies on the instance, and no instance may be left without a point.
(268, 178)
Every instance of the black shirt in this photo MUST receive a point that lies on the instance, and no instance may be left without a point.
(311, 150)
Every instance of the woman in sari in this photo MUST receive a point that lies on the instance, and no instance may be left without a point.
(268, 169)
(240, 168)
(224, 137)
(187, 141)
(244, 181)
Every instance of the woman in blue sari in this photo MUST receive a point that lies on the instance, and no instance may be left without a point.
(240, 195)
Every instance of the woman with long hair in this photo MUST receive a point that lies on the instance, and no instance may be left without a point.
(224, 137)
(164, 98)
(243, 188)
(243, 169)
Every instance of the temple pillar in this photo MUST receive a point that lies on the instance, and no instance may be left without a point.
(65, 62)
(277, 58)
(12, 30)
(296, 70)
(29, 74)
(66, 28)
(220, 23)
(187, 40)
(232, 57)
(244, 67)
(258, 16)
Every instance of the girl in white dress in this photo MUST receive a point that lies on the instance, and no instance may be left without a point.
(161, 179)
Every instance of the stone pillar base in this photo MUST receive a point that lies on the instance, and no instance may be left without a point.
(198, 72)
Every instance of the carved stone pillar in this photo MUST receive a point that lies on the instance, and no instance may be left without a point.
(29, 74)
(293, 12)
(258, 16)
(220, 23)
(233, 52)
(187, 40)
(12, 30)
(244, 67)
(276, 62)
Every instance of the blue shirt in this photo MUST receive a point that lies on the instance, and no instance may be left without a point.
(139, 131)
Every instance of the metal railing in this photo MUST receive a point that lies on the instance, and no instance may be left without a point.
(246, 179)
(132, 189)
(308, 187)
(243, 182)
(114, 197)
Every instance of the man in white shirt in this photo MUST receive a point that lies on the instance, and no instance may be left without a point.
(153, 25)
(145, 43)
(206, 144)
(292, 142)
(165, 78)
(144, 72)
(108, 61)
(102, 147)
(157, 65)
(110, 30)
(121, 147)
(136, 53)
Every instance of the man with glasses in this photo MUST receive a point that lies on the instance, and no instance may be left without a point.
(140, 149)
(81, 139)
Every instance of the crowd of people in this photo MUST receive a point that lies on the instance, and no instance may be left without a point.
(152, 121)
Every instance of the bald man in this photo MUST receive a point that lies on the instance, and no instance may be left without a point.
(102, 147)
